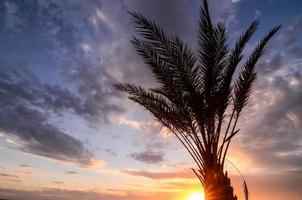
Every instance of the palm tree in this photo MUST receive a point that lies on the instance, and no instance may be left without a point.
(197, 100)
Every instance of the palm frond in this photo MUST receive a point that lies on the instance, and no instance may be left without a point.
(172, 62)
(195, 94)
(207, 50)
(161, 69)
(150, 31)
(233, 59)
(161, 107)
(247, 75)
(213, 54)
(170, 48)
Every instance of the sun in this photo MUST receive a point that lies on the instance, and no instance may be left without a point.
(196, 196)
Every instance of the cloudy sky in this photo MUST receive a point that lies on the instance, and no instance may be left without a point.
(65, 133)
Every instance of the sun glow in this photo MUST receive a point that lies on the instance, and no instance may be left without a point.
(196, 196)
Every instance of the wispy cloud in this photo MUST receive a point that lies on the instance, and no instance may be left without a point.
(149, 157)
(71, 172)
(187, 174)
(144, 126)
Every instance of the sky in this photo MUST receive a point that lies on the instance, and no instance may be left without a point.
(66, 133)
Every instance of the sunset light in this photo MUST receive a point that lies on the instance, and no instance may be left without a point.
(196, 196)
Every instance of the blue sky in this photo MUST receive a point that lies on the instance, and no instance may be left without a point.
(64, 130)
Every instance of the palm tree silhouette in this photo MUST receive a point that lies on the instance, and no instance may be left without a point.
(197, 100)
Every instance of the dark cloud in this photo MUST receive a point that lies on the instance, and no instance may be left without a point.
(11, 18)
(271, 65)
(295, 50)
(41, 138)
(291, 38)
(14, 180)
(58, 182)
(71, 172)
(111, 152)
(149, 157)
(26, 105)
(24, 166)
(8, 175)
(292, 32)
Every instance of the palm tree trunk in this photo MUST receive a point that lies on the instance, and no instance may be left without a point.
(218, 186)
